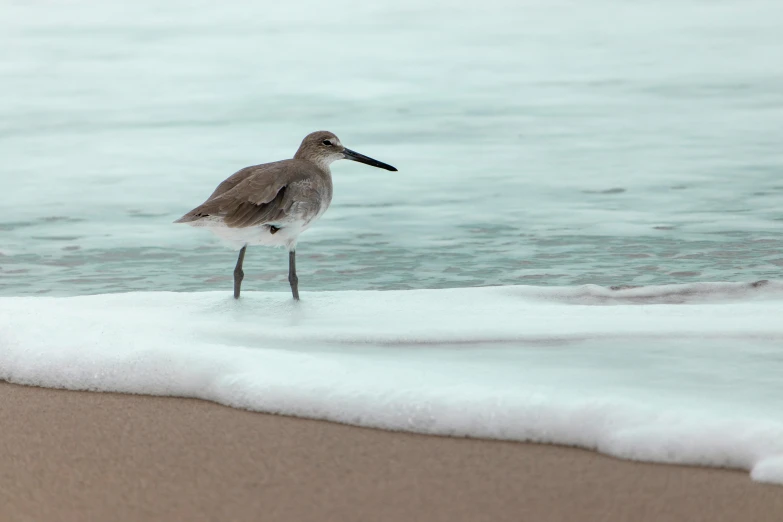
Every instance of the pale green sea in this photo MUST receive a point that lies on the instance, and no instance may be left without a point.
(547, 143)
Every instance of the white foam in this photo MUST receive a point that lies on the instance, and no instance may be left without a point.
(686, 374)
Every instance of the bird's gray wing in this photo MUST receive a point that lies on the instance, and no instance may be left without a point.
(252, 196)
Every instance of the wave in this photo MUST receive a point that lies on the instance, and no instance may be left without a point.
(681, 373)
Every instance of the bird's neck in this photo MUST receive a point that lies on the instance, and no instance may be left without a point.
(321, 162)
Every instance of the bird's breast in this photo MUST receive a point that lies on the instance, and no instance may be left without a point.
(309, 200)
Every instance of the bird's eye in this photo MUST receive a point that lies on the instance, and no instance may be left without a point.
(326, 142)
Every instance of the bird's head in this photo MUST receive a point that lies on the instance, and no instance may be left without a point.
(323, 148)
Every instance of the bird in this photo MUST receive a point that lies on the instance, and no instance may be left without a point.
(272, 203)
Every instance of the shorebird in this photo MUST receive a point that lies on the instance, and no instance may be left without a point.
(271, 204)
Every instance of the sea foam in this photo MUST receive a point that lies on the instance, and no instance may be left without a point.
(682, 374)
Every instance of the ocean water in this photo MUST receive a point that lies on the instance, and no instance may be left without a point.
(547, 149)
(548, 143)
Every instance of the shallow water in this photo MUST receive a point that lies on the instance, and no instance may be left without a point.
(546, 143)
(687, 373)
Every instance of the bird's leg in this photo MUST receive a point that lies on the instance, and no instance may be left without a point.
(292, 274)
(238, 273)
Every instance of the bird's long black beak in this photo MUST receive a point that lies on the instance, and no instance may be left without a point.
(361, 158)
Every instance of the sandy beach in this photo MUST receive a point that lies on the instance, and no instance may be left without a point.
(104, 456)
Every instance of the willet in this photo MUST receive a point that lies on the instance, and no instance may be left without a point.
(271, 204)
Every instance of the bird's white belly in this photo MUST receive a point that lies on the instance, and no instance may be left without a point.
(285, 236)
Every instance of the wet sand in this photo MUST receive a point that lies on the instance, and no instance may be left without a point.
(77, 456)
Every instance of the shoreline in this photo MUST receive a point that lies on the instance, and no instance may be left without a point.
(71, 455)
